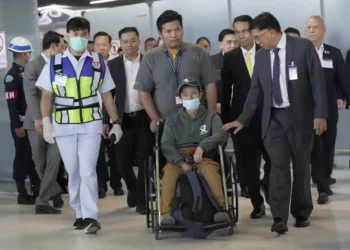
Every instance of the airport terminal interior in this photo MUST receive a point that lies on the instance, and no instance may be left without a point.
(122, 228)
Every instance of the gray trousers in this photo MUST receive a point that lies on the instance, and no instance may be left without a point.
(47, 160)
(284, 144)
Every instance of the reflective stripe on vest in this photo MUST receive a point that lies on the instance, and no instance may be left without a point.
(77, 101)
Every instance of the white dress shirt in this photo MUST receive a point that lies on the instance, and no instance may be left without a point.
(282, 45)
(132, 100)
(45, 58)
(252, 54)
(44, 82)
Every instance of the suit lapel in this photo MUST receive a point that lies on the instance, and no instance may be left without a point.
(289, 55)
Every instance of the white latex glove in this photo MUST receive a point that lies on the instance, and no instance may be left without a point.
(48, 130)
(117, 132)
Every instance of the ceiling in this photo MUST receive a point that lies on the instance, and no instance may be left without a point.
(86, 3)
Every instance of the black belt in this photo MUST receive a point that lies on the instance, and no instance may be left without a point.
(134, 114)
(281, 109)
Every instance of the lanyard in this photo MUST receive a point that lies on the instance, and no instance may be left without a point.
(177, 69)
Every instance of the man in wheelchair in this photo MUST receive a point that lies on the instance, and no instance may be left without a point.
(189, 142)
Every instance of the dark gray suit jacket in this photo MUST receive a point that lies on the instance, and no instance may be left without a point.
(32, 93)
(307, 95)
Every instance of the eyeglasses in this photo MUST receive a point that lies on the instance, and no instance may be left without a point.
(258, 38)
(243, 32)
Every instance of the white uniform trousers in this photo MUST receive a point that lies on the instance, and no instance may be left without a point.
(79, 154)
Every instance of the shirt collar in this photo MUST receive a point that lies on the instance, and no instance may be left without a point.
(320, 49)
(66, 53)
(252, 50)
(136, 60)
(45, 58)
(282, 43)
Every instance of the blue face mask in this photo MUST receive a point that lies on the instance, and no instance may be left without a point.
(78, 44)
(191, 105)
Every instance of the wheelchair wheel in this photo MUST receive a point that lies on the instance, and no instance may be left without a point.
(147, 195)
(156, 235)
(234, 184)
(151, 192)
(230, 230)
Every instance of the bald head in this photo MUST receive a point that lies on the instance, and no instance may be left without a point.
(315, 29)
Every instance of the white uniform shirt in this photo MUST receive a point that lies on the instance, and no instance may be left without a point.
(282, 45)
(132, 100)
(252, 55)
(44, 82)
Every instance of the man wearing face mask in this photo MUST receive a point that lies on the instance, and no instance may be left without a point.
(23, 164)
(73, 79)
(190, 139)
(46, 156)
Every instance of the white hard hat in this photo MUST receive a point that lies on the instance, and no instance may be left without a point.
(20, 45)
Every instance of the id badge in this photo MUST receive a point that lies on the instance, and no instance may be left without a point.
(293, 72)
(328, 64)
(60, 80)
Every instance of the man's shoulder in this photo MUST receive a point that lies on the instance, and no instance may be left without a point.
(115, 60)
(331, 48)
(192, 47)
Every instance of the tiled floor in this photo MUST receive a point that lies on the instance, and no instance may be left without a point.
(21, 229)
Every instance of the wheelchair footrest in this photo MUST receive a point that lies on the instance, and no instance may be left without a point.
(171, 228)
(218, 226)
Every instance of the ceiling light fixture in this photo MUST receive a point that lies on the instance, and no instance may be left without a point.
(102, 1)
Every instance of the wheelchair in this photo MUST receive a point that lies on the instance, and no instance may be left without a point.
(153, 186)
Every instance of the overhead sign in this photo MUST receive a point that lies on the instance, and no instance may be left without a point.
(3, 55)
(114, 50)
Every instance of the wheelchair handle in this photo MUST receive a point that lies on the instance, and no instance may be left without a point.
(157, 133)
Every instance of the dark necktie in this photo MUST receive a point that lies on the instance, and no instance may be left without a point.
(276, 87)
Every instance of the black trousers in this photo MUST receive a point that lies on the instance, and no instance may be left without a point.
(115, 175)
(322, 156)
(250, 147)
(23, 165)
(137, 137)
(239, 164)
(284, 143)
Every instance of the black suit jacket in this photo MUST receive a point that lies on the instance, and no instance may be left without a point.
(337, 81)
(307, 95)
(117, 69)
(218, 61)
(234, 75)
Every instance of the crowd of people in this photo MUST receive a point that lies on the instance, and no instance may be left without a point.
(276, 94)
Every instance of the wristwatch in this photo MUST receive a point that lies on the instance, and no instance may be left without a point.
(118, 121)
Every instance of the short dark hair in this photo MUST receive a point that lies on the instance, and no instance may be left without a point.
(265, 21)
(203, 38)
(150, 39)
(78, 23)
(292, 30)
(128, 29)
(167, 17)
(224, 33)
(91, 42)
(102, 33)
(51, 37)
(243, 18)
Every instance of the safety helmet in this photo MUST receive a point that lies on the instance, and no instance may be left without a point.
(20, 45)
